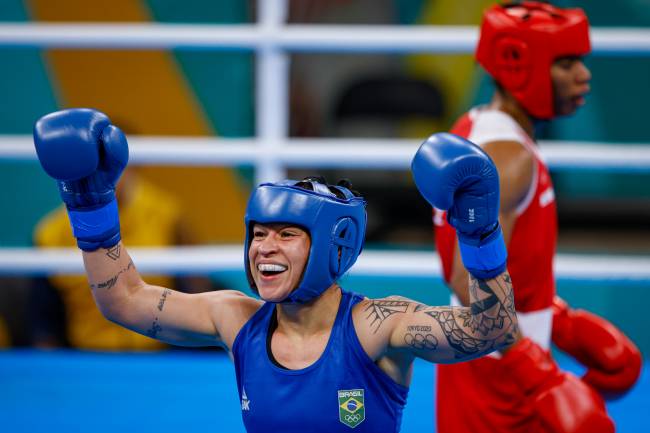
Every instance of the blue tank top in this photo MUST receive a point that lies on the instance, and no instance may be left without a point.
(343, 391)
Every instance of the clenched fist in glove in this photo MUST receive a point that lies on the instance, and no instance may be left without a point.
(86, 155)
(455, 175)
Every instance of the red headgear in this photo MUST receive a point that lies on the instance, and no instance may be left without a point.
(519, 42)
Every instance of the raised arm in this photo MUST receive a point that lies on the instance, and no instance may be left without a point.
(86, 155)
(455, 175)
(514, 164)
(204, 319)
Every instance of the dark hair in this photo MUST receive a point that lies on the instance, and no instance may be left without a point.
(306, 183)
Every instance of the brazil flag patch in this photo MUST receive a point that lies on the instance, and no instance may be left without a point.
(352, 409)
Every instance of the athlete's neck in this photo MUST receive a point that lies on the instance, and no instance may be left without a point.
(504, 101)
(312, 317)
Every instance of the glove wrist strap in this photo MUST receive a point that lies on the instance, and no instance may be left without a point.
(96, 228)
(485, 261)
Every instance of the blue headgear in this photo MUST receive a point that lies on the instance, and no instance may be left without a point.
(337, 227)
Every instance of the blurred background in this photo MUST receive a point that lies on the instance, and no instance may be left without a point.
(201, 92)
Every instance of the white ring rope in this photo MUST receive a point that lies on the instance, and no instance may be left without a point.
(292, 37)
(229, 258)
(381, 153)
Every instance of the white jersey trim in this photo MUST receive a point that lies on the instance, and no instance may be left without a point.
(493, 125)
(530, 195)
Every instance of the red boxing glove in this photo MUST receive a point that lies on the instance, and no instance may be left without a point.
(561, 402)
(613, 361)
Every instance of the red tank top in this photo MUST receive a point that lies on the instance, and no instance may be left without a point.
(532, 245)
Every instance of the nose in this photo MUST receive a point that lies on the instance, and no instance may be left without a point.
(583, 74)
(268, 245)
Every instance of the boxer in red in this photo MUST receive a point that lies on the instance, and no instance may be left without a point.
(533, 51)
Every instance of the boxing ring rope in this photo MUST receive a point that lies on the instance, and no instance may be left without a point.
(289, 37)
(387, 154)
(228, 258)
(272, 152)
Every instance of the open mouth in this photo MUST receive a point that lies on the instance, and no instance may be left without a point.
(271, 269)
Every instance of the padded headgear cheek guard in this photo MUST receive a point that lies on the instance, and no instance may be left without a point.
(519, 43)
(336, 226)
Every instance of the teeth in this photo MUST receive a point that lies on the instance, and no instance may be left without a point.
(271, 267)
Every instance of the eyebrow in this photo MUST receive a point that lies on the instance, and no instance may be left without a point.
(572, 57)
(277, 226)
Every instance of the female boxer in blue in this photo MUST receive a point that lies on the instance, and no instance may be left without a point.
(309, 356)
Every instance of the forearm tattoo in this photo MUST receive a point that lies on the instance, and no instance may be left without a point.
(155, 329)
(488, 313)
(502, 313)
(509, 305)
(108, 284)
(463, 343)
(377, 311)
(486, 324)
(114, 252)
(163, 298)
(155, 326)
(509, 301)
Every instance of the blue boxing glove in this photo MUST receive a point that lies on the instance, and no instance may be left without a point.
(455, 175)
(86, 155)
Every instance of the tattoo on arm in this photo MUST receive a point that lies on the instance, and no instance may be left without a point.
(487, 311)
(378, 311)
(463, 343)
(508, 303)
(163, 298)
(476, 329)
(420, 337)
(108, 284)
(155, 329)
(114, 252)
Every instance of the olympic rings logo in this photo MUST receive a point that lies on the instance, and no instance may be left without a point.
(352, 418)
